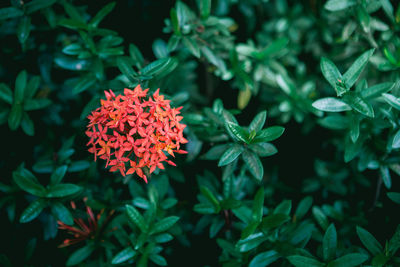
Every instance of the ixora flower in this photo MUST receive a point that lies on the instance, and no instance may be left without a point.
(83, 231)
(134, 133)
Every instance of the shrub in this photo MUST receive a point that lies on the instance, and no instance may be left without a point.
(278, 121)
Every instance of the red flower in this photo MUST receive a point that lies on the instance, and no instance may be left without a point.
(83, 230)
(135, 131)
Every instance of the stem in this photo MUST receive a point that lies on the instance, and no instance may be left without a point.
(377, 192)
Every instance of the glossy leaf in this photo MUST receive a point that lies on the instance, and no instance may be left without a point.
(238, 132)
(329, 243)
(27, 182)
(258, 122)
(302, 261)
(80, 255)
(349, 260)
(253, 164)
(136, 217)
(369, 241)
(269, 134)
(332, 75)
(33, 210)
(352, 74)
(101, 14)
(124, 255)
(331, 104)
(230, 155)
(63, 190)
(164, 224)
(264, 258)
(62, 213)
(338, 5)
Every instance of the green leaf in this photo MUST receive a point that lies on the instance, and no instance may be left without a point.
(238, 132)
(258, 122)
(58, 174)
(192, 45)
(36, 5)
(258, 205)
(369, 241)
(329, 243)
(175, 21)
(376, 90)
(269, 134)
(136, 218)
(392, 100)
(273, 48)
(123, 256)
(35, 104)
(78, 166)
(251, 242)
(125, 67)
(396, 140)
(349, 260)
(62, 213)
(331, 104)
(33, 210)
(173, 42)
(10, 12)
(264, 258)
(253, 164)
(216, 152)
(28, 182)
(264, 149)
(23, 29)
(80, 255)
(394, 243)
(302, 261)
(20, 85)
(385, 175)
(32, 87)
(63, 190)
(337, 5)
(274, 220)
(334, 122)
(216, 226)
(163, 238)
(73, 24)
(213, 58)
(284, 207)
(352, 74)
(332, 75)
(394, 196)
(156, 67)
(320, 217)
(230, 155)
(135, 54)
(164, 224)
(6, 93)
(303, 207)
(158, 259)
(205, 8)
(70, 63)
(210, 196)
(359, 104)
(84, 83)
(354, 128)
(27, 125)
(72, 49)
(101, 14)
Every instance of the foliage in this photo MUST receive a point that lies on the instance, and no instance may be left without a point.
(293, 133)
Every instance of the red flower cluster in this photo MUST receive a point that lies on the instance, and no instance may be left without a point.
(84, 230)
(131, 130)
